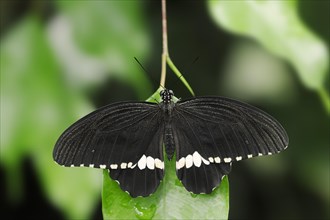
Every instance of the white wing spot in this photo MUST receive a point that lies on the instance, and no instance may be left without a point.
(72, 165)
(142, 162)
(159, 164)
(227, 160)
(238, 158)
(181, 163)
(217, 159)
(123, 165)
(211, 159)
(82, 165)
(259, 154)
(269, 153)
(197, 159)
(129, 165)
(189, 161)
(114, 166)
(205, 161)
(91, 165)
(103, 166)
(150, 163)
(249, 155)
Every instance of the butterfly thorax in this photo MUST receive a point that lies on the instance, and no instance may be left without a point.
(167, 105)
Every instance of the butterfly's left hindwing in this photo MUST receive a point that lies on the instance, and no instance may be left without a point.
(125, 138)
(212, 132)
(143, 178)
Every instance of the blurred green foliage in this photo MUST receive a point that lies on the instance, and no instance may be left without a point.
(38, 102)
(36, 105)
(286, 36)
(112, 32)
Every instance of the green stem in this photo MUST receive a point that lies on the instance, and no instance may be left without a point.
(177, 72)
(325, 98)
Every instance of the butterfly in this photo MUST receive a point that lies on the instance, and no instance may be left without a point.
(206, 134)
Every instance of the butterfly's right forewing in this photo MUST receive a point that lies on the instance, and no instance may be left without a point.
(125, 138)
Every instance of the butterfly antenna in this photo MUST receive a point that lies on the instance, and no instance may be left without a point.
(194, 61)
(151, 79)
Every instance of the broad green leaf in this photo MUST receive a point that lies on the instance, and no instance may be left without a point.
(156, 96)
(277, 26)
(36, 106)
(113, 33)
(170, 201)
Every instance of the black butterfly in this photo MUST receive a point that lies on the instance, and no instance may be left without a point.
(206, 133)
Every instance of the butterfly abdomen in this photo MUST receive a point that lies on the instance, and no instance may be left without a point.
(167, 108)
(169, 141)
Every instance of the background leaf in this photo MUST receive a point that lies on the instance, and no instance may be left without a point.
(37, 106)
(277, 26)
(110, 32)
(47, 69)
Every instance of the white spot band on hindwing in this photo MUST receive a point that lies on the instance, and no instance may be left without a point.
(192, 160)
(143, 163)
(197, 160)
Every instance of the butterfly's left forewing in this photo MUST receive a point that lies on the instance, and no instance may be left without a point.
(212, 132)
(125, 138)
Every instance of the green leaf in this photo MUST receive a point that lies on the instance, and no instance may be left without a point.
(156, 96)
(170, 201)
(36, 106)
(113, 33)
(277, 26)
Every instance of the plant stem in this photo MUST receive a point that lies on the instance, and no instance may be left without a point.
(166, 57)
(179, 75)
(165, 47)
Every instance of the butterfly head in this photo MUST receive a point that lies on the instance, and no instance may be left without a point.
(166, 95)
